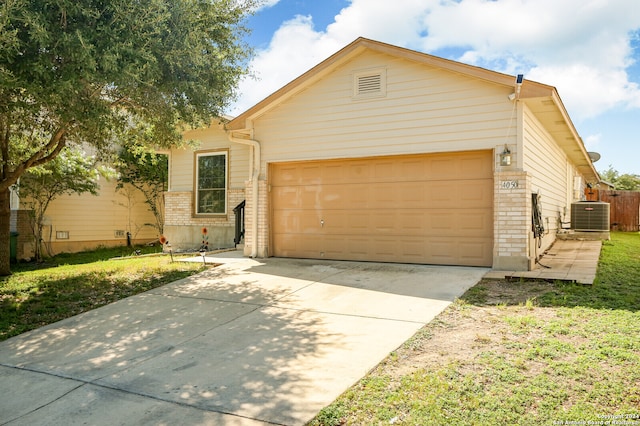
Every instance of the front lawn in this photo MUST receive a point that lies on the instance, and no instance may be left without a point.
(68, 284)
(516, 353)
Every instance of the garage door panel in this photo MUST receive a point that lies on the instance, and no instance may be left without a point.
(439, 222)
(435, 208)
(288, 197)
(419, 195)
(446, 166)
(303, 222)
(432, 250)
(436, 222)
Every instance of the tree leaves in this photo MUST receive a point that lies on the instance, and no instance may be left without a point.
(80, 67)
(623, 182)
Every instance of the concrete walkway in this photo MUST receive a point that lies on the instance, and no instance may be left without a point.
(246, 343)
(566, 260)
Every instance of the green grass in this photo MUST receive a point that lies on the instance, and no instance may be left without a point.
(570, 353)
(68, 284)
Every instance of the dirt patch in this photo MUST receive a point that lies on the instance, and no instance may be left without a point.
(503, 311)
(507, 292)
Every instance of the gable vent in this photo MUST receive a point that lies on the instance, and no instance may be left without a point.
(369, 83)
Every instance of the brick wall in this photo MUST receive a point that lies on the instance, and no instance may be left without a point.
(263, 222)
(512, 220)
(184, 231)
(21, 223)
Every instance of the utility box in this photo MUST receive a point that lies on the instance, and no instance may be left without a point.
(590, 216)
(13, 246)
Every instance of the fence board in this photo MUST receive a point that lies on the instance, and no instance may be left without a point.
(624, 208)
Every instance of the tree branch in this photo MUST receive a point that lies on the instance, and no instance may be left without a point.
(47, 153)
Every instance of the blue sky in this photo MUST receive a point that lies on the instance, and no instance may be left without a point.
(588, 49)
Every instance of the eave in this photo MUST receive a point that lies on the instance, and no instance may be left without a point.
(543, 100)
(552, 114)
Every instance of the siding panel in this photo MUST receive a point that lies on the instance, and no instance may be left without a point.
(425, 110)
(212, 138)
(551, 173)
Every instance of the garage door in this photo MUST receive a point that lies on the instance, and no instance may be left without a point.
(431, 209)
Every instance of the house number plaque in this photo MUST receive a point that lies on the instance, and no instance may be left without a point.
(509, 184)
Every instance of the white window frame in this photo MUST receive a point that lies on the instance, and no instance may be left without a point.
(196, 185)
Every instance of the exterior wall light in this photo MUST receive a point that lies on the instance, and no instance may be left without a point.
(505, 157)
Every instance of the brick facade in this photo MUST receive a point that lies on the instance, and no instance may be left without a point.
(20, 222)
(512, 220)
(263, 224)
(184, 230)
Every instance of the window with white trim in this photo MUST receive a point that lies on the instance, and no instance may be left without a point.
(370, 83)
(211, 183)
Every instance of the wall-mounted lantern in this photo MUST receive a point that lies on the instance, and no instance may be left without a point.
(505, 157)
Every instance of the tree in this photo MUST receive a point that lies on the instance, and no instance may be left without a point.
(91, 71)
(147, 172)
(71, 172)
(624, 182)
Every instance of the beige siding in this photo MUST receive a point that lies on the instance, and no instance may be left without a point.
(552, 175)
(93, 220)
(425, 110)
(212, 138)
(182, 229)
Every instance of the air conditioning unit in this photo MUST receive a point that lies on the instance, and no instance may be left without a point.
(590, 216)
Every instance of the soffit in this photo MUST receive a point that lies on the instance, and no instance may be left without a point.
(553, 116)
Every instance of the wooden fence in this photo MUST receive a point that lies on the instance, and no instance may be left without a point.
(624, 208)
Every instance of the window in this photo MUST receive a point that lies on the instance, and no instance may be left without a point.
(370, 83)
(211, 183)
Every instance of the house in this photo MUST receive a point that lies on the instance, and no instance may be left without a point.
(205, 184)
(381, 153)
(81, 222)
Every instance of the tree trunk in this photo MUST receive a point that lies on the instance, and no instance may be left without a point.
(5, 224)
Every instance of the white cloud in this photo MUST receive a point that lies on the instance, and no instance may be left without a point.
(591, 142)
(264, 4)
(394, 22)
(294, 48)
(582, 47)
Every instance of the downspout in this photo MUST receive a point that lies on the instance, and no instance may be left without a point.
(253, 177)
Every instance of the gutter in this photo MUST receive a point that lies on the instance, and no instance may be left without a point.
(253, 178)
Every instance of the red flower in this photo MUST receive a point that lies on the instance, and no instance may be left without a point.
(204, 231)
(163, 239)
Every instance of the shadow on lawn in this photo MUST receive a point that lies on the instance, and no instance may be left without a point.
(52, 299)
(80, 258)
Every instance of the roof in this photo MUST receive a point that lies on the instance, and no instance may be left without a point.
(543, 100)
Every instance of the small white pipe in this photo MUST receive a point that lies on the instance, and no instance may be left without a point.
(255, 173)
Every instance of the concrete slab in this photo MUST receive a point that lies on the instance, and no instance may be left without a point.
(101, 406)
(566, 260)
(24, 391)
(277, 365)
(114, 337)
(245, 343)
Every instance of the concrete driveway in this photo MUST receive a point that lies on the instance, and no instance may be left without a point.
(251, 342)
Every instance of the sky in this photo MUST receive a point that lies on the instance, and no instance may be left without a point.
(588, 49)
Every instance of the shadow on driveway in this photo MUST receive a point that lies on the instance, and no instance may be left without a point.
(244, 343)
